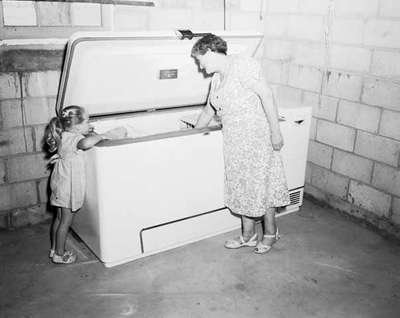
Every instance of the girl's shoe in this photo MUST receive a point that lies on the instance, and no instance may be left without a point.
(66, 258)
(262, 248)
(240, 242)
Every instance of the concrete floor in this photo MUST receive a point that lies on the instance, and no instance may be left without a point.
(325, 265)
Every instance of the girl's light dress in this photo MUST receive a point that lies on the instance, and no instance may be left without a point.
(254, 174)
(68, 179)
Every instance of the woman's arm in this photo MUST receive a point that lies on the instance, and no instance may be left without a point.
(205, 116)
(271, 110)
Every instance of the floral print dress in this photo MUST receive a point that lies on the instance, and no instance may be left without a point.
(254, 175)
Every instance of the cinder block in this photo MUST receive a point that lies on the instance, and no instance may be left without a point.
(278, 49)
(396, 211)
(285, 95)
(2, 172)
(27, 167)
(16, 140)
(249, 21)
(9, 86)
(29, 216)
(313, 129)
(169, 19)
(212, 4)
(352, 166)
(38, 132)
(253, 6)
(198, 4)
(330, 182)
(320, 154)
(274, 72)
(350, 58)
(390, 124)
(176, 3)
(359, 116)
(378, 148)
(347, 30)
(19, 13)
(382, 33)
(310, 99)
(23, 194)
(335, 135)
(86, 14)
(40, 84)
(5, 197)
(389, 8)
(282, 6)
(306, 27)
(314, 6)
(305, 77)
(356, 7)
(53, 13)
(381, 93)
(386, 63)
(10, 113)
(276, 26)
(342, 85)
(38, 110)
(369, 198)
(327, 108)
(131, 18)
(312, 54)
(308, 172)
(211, 18)
(44, 190)
(386, 178)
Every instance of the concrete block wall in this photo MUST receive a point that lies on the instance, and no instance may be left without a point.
(342, 58)
(31, 57)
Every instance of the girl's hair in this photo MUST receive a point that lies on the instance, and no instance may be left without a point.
(209, 42)
(70, 116)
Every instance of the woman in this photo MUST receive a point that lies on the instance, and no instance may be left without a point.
(255, 183)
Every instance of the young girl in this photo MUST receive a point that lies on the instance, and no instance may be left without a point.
(69, 134)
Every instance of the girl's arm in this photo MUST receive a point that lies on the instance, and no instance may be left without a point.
(90, 141)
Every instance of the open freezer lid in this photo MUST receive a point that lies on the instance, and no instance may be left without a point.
(116, 72)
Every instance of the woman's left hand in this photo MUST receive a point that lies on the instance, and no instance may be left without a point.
(277, 141)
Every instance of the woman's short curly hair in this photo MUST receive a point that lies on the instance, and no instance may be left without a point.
(210, 42)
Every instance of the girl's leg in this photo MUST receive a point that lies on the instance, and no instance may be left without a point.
(270, 232)
(62, 231)
(54, 228)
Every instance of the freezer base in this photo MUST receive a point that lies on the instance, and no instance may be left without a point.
(166, 236)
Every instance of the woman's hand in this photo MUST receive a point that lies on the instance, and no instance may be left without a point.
(277, 141)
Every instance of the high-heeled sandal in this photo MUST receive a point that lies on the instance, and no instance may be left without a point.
(262, 248)
(66, 258)
(238, 243)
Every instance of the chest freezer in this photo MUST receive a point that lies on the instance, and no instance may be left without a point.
(162, 186)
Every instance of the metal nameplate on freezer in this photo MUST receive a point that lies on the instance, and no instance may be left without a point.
(168, 74)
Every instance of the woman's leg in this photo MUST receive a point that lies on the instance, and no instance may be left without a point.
(62, 232)
(54, 228)
(270, 227)
(248, 227)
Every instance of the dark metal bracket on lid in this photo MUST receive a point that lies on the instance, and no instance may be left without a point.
(187, 34)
